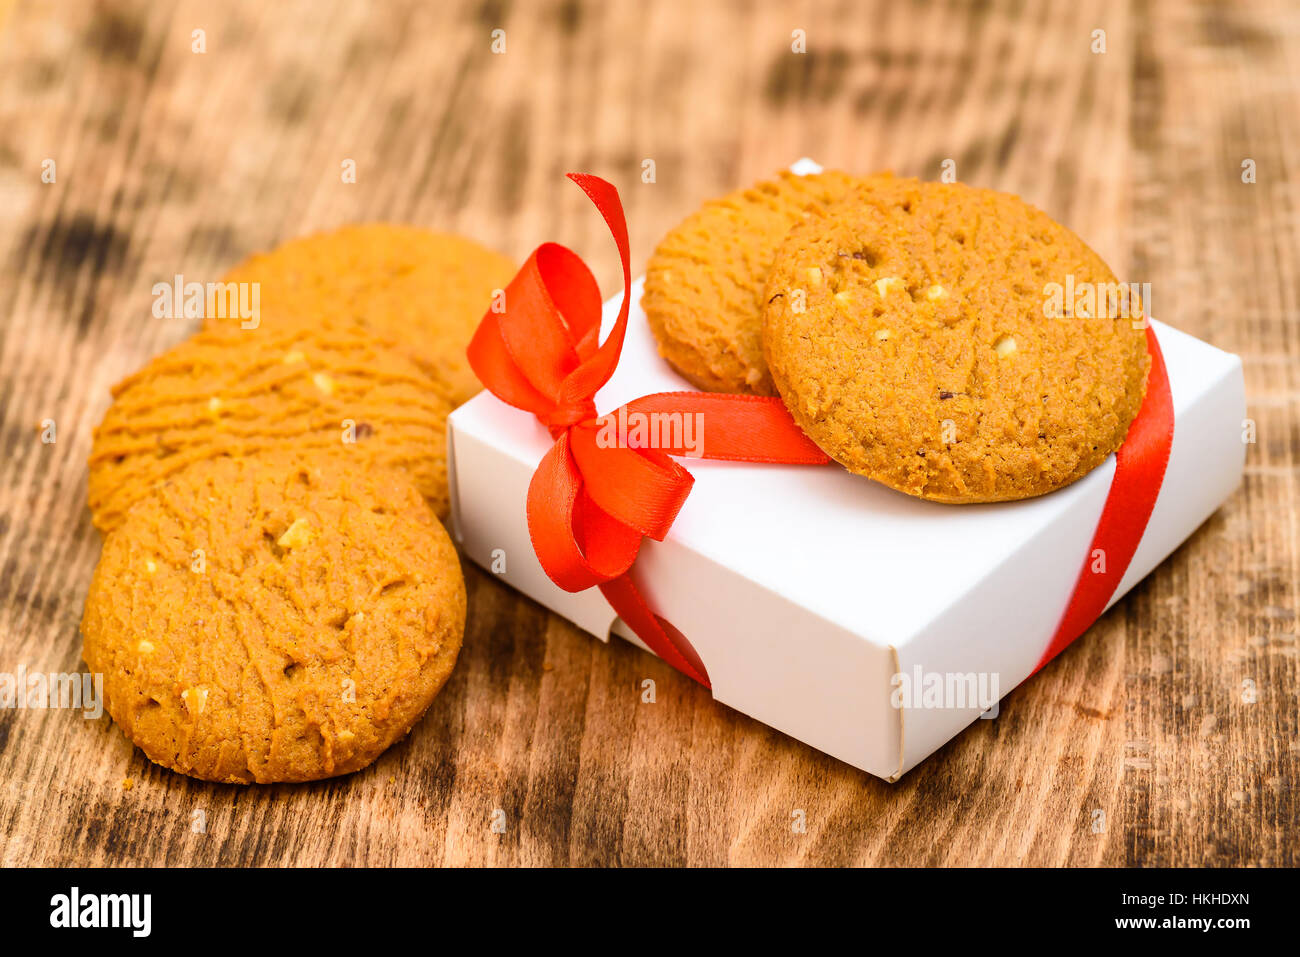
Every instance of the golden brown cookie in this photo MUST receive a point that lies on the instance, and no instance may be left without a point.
(235, 393)
(424, 290)
(274, 618)
(704, 283)
(908, 331)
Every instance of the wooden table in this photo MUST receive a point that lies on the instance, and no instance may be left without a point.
(1138, 745)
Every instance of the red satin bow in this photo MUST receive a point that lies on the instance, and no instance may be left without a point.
(591, 500)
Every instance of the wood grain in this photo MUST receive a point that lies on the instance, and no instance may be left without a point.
(171, 161)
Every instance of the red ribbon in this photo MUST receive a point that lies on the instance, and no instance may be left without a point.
(591, 501)
(1139, 472)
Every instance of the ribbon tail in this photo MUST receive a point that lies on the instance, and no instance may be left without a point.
(657, 633)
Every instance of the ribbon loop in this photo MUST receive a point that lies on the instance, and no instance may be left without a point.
(642, 488)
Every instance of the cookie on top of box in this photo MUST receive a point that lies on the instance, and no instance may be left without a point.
(908, 331)
(907, 325)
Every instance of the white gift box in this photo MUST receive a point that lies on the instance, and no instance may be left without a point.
(816, 598)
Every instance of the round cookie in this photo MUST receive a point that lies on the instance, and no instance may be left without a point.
(274, 618)
(233, 393)
(424, 290)
(704, 283)
(912, 334)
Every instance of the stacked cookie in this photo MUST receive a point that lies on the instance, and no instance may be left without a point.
(909, 328)
(277, 599)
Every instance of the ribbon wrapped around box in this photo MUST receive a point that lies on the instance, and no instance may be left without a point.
(868, 624)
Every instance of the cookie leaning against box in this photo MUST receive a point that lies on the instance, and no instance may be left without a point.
(233, 393)
(274, 618)
(421, 289)
(908, 332)
(704, 283)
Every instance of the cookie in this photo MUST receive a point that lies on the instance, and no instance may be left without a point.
(423, 290)
(704, 283)
(221, 393)
(274, 618)
(911, 332)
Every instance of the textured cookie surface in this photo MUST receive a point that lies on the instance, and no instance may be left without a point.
(234, 393)
(704, 284)
(912, 332)
(275, 618)
(423, 290)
